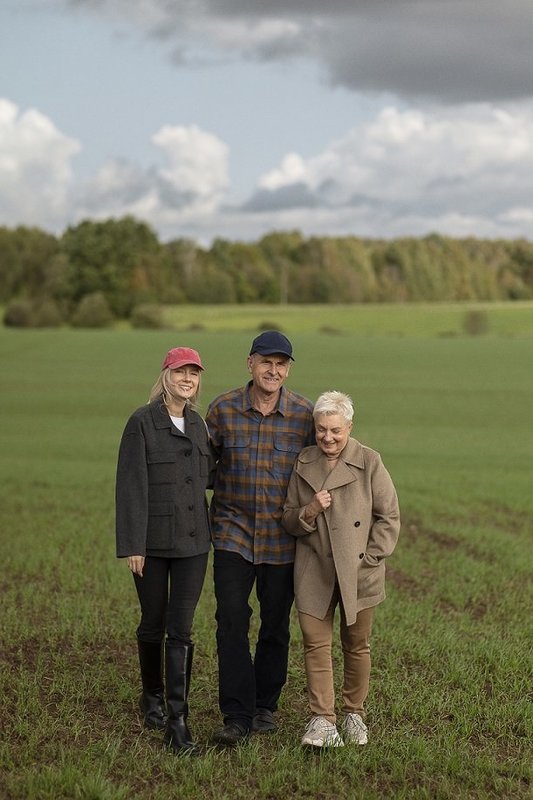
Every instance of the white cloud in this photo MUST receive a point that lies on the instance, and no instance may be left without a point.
(198, 161)
(460, 171)
(190, 185)
(35, 167)
(291, 170)
(474, 161)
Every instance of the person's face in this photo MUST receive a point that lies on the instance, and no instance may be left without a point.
(332, 432)
(269, 372)
(185, 381)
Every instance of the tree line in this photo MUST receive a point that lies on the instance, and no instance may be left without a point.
(97, 271)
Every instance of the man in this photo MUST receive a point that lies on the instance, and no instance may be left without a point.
(257, 431)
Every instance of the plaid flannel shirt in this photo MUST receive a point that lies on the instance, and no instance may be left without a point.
(256, 457)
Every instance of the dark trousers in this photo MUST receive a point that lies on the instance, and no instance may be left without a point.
(168, 593)
(245, 683)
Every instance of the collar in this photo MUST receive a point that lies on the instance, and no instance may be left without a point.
(247, 404)
(352, 455)
(312, 466)
(162, 419)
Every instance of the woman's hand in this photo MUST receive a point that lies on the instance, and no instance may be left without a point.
(320, 502)
(136, 564)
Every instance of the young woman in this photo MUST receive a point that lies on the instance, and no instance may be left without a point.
(165, 464)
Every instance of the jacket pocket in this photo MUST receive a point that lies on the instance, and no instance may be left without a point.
(161, 527)
(371, 577)
(205, 459)
(161, 466)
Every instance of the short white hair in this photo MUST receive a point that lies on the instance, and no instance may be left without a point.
(334, 403)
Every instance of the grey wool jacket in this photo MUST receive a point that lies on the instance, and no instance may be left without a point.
(162, 477)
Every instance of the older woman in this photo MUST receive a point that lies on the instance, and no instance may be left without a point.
(165, 464)
(342, 506)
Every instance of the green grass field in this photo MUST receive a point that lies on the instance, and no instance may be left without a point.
(396, 319)
(449, 713)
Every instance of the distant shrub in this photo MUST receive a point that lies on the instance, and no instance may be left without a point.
(47, 314)
(92, 312)
(19, 314)
(269, 326)
(147, 315)
(196, 326)
(475, 323)
(330, 330)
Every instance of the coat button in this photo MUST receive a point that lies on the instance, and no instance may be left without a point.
(192, 533)
(191, 507)
(361, 555)
(188, 479)
(357, 523)
(187, 452)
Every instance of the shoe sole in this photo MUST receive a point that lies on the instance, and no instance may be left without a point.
(323, 745)
(155, 726)
(229, 742)
(348, 739)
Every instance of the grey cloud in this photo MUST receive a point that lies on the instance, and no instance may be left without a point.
(171, 197)
(299, 196)
(448, 53)
(362, 201)
(444, 50)
(130, 184)
(296, 195)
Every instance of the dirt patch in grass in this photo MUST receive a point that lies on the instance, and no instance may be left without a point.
(416, 529)
(404, 582)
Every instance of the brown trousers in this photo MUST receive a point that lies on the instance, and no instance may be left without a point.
(355, 641)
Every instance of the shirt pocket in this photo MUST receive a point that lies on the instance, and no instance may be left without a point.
(237, 454)
(284, 451)
(161, 527)
(161, 466)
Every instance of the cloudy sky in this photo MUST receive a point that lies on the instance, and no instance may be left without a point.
(233, 118)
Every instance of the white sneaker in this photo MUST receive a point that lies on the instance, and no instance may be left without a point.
(354, 729)
(321, 733)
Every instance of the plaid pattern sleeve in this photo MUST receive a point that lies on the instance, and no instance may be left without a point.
(256, 457)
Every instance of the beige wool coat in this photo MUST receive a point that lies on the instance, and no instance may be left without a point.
(351, 539)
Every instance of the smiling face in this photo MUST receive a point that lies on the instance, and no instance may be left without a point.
(269, 372)
(184, 382)
(332, 432)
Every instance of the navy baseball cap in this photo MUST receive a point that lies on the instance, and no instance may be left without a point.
(271, 342)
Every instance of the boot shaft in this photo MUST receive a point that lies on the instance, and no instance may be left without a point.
(151, 664)
(152, 701)
(178, 668)
(178, 663)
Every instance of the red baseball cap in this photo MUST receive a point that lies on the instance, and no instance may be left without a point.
(180, 356)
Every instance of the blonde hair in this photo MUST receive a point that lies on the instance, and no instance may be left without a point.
(334, 403)
(162, 388)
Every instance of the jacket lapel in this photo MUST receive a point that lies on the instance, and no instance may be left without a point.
(313, 468)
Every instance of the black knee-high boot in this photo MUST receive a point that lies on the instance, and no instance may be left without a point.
(152, 700)
(178, 662)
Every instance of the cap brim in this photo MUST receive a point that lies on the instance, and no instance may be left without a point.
(272, 353)
(178, 364)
